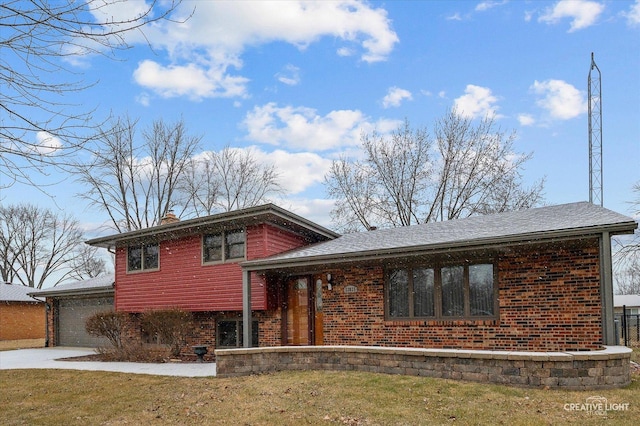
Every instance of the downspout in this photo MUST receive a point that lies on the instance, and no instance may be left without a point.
(47, 308)
(606, 290)
(246, 309)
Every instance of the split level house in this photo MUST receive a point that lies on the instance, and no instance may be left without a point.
(530, 280)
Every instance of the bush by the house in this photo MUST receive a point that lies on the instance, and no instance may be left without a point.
(109, 324)
(172, 326)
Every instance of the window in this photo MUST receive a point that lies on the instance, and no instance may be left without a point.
(143, 257)
(442, 292)
(230, 332)
(223, 246)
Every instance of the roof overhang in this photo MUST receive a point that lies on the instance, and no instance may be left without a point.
(493, 243)
(94, 291)
(268, 213)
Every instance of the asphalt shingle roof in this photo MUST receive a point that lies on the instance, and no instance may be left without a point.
(538, 223)
(104, 282)
(15, 293)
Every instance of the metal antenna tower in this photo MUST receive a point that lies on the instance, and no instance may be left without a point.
(595, 135)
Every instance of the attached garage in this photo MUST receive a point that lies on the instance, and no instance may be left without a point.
(69, 306)
(72, 315)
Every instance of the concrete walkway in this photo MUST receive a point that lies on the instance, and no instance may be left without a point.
(49, 358)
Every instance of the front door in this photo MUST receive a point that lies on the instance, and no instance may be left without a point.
(304, 311)
(298, 324)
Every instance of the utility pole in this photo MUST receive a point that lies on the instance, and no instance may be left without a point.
(595, 134)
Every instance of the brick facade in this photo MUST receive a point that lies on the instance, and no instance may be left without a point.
(21, 320)
(548, 295)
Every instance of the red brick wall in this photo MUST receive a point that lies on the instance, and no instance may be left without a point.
(549, 300)
(183, 281)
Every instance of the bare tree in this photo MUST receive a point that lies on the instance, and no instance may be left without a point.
(228, 180)
(477, 170)
(87, 263)
(627, 253)
(410, 177)
(628, 279)
(40, 40)
(136, 184)
(39, 245)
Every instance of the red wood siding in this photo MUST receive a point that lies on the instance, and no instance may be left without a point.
(266, 240)
(183, 281)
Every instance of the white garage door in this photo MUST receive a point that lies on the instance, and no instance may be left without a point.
(72, 315)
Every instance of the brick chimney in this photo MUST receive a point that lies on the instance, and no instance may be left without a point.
(169, 218)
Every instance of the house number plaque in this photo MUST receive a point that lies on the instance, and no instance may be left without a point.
(350, 289)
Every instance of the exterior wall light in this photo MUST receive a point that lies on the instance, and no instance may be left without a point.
(330, 282)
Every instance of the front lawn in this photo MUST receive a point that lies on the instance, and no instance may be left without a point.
(79, 397)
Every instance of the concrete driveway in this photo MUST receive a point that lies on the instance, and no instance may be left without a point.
(48, 358)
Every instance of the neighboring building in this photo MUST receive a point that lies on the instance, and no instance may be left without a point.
(21, 316)
(69, 306)
(630, 301)
(532, 280)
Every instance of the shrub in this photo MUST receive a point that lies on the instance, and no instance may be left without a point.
(172, 326)
(109, 324)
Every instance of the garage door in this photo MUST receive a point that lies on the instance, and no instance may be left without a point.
(72, 315)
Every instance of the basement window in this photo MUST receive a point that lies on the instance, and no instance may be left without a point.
(230, 332)
(144, 257)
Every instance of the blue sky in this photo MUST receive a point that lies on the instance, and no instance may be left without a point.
(298, 82)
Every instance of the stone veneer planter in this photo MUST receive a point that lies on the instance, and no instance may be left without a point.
(608, 368)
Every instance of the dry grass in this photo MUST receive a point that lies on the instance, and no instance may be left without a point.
(290, 398)
(9, 345)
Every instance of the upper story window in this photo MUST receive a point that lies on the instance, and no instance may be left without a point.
(223, 246)
(455, 291)
(143, 257)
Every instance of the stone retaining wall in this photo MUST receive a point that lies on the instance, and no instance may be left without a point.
(608, 368)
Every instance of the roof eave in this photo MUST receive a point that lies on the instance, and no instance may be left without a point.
(75, 292)
(483, 243)
(237, 215)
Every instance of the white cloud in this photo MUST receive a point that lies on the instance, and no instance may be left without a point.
(289, 76)
(297, 171)
(317, 210)
(476, 102)
(455, 17)
(633, 16)
(345, 51)
(46, 143)
(144, 99)
(560, 99)
(211, 42)
(489, 4)
(526, 120)
(395, 96)
(189, 80)
(528, 15)
(302, 128)
(583, 13)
